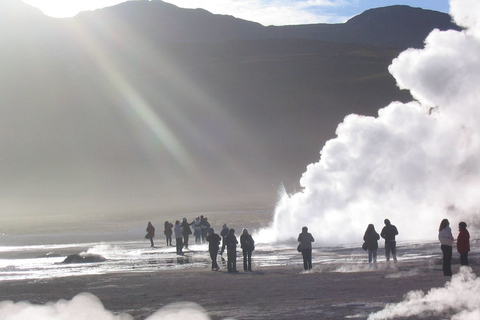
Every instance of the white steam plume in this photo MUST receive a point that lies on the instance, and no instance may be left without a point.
(87, 306)
(459, 299)
(415, 163)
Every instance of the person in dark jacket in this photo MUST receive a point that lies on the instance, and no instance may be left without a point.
(248, 245)
(224, 233)
(186, 231)
(150, 233)
(388, 233)
(213, 240)
(178, 232)
(231, 242)
(371, 238)
(463, 243)
(305, 247)
(168, 231)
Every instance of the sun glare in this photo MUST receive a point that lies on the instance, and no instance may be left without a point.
(69, 8)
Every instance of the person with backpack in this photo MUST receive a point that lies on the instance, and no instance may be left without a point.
(305, 247)
(150, 233)
(371, 238)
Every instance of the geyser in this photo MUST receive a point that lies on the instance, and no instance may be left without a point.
(415, 163)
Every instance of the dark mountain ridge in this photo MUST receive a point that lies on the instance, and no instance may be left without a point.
(145, 105)
(395, 26)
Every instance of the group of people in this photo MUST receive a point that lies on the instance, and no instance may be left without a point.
(204, 233)
(371, 237)
(227, 239)
(446, 244)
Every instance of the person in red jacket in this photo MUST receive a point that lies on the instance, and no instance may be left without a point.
(463, 243)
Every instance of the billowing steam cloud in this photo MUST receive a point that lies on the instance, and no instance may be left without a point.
(415, 163)
(459, 297)
(87, 306)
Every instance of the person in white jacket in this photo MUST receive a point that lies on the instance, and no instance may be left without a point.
(446, 242)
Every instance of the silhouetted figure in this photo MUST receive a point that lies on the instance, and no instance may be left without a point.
(168, 232)
(388, 233)
(248, 245)
(223, 234)
(305, 247)
(371, 238)
(150, 233)
(205, 227)
(178, 232)
(231, 243)
(197, 230)
(186, 232)
(463, 243)
(446, 242)
(213, 240)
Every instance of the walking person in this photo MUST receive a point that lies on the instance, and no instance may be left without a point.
(231, 243)
(248, 245)
(446, 242)
(178, 232)
(223, 234)
(305, 247)
(388, 233)
(463, 243)
(371, 238)
(213, 240)
(168, 233)
(186, 231)
(150, 233)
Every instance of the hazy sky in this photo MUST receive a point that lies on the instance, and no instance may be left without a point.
(266, 12)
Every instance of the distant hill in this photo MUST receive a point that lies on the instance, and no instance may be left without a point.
(395, 26)
(145, 105)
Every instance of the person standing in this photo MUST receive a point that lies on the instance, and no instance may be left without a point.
(197, 230)
(248, 245)
(168, 232)
(223, 234)
(446, 242)
(186, 231)
(371, 238)
(178, 232)
(463, 243)
(150, 233)
(305, 247)
(231, 243)
(388, 233)
(213, 240)
(205, 227)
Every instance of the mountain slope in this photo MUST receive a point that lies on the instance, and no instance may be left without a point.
(101, 113)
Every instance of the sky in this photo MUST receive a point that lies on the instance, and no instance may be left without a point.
(266, 12)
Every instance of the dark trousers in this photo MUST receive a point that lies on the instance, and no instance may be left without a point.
(307, 259)
(447, 259)
(185, 241)
(179, 244)
(213, 256)
(169, 239)
(247, 260)
(464, 259)
(151, 242)
(391, 246)
(231, 260)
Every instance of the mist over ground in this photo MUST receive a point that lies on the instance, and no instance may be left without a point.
(416, 163)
